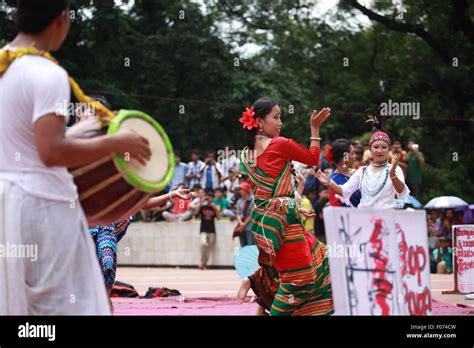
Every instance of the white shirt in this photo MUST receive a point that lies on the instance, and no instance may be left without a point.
(298, 166)
(193, 169)
(231, 186)
(31, 88)
(231, 162)
(385, 199)
(215, 173)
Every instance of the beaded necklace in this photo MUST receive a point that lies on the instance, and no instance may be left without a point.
(369, 184)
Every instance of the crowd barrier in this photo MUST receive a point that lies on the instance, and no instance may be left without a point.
(174, 244)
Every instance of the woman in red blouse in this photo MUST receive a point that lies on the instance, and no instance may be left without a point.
(294, 259)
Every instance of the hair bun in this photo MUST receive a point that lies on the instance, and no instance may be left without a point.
(376, 122)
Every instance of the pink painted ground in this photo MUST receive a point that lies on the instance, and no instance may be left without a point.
(191, 306)
(223, 306)
(212, 292)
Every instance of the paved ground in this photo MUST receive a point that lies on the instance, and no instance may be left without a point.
(205, 292)
(443, 282)
(191, 282)
(212, 292)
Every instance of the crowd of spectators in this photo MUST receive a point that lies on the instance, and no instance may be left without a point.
(226, 185)
(208, 177)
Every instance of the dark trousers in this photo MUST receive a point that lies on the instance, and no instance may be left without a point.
(415, 190)
(246, 238)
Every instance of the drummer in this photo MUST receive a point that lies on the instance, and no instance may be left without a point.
(38, 199)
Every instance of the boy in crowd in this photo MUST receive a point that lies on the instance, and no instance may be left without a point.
(208, 212)
(223, 204)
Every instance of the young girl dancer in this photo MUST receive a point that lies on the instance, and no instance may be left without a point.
(298, 258)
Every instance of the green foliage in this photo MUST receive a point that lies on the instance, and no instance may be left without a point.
(169, 57)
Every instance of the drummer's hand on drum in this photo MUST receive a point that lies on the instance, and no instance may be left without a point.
(130, 142)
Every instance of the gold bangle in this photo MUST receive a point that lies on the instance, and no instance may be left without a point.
(315, 138)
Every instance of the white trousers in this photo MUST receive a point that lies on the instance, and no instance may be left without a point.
(48, 263)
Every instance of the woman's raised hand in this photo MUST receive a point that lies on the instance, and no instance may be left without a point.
(322, 177)
(318, 118)
(394, 166)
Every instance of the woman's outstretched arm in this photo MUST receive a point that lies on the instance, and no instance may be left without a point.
(160, 200)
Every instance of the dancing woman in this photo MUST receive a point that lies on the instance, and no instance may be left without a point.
(379, 182)
(299, 258)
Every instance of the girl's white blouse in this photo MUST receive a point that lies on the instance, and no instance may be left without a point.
(385, 199)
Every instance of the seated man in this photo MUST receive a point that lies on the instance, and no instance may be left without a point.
(443, 255)
(223, 204)
(180, 211)
(197, 202)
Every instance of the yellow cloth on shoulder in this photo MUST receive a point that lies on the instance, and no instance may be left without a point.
(7, 56)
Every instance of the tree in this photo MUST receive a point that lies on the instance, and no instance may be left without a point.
(183, 65)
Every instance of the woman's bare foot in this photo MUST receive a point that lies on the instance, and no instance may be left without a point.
(244, 289)
(111, 306)
(109, 292)
(261, 311)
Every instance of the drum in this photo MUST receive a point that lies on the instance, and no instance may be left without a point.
(116, 187)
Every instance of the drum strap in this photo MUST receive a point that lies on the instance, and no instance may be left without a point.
(8, 56)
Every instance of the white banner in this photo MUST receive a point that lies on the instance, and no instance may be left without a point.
(464, 257)
(379, 261)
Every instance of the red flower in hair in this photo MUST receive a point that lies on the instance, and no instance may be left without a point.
(330, 155)
(248, 120)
